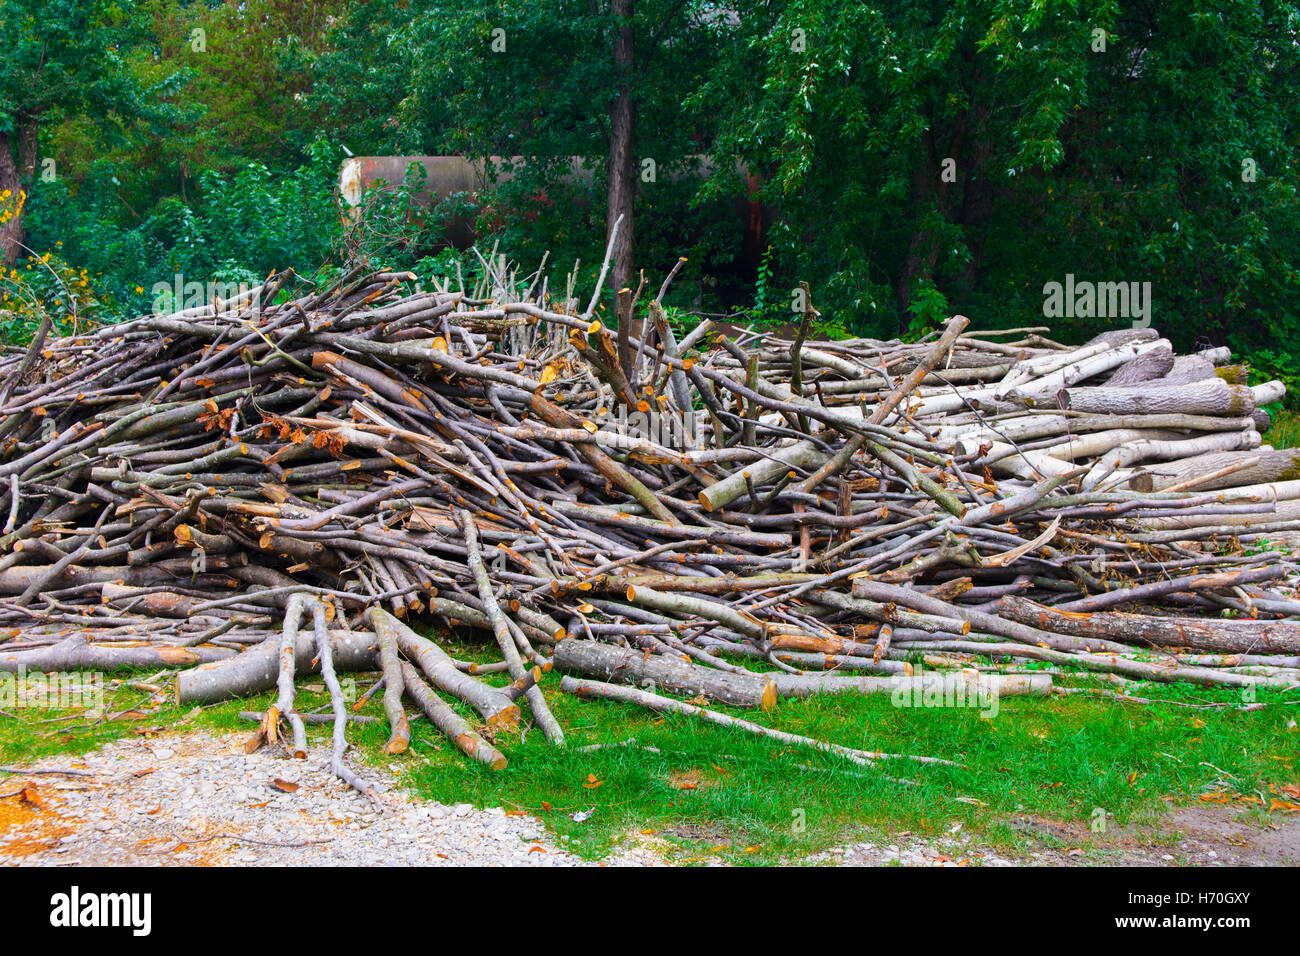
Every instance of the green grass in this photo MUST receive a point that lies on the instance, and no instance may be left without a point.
(1284, 432)
(756, 801)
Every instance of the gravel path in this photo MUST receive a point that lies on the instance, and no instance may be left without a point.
(194, 799)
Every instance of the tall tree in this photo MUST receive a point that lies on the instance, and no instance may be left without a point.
(622, 158)
(597, 80)
(58, 57)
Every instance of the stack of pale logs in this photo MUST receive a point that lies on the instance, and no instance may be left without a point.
(310, 480)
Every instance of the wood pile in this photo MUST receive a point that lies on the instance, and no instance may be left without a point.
(285, 482)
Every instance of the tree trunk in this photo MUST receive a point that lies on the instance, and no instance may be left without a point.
(622, 165)
(27, 128)
(917, 246)
(928, 187)
(12, 234)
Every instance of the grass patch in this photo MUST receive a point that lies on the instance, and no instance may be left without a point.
(714, 791)
(1284, 432)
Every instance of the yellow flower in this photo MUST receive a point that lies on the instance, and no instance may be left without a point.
(139, 289)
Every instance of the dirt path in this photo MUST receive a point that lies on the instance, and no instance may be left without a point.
(193, 799)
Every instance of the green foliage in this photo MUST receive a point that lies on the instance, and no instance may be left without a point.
(1123, 164)
(71, 55)
(483, 81)
(1269, 364)
(928, 309)
(242, 225)
(764, 307)
(916, 159)
(1284, 432)
(38, 286)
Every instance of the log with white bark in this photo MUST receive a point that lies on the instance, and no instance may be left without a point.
(1260, 466)
(1153, 364)
(1130, 453)
(1047, 384)
(1209, 397)
(663, 671)
(256, 669)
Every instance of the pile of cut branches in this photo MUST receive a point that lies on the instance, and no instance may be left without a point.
(728, 518)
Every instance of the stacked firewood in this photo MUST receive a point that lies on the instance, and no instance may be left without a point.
(287, 481)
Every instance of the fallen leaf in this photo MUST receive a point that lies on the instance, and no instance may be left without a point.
(688, 780)
(284, 786)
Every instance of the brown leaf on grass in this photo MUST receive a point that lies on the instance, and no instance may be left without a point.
(685, 780)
